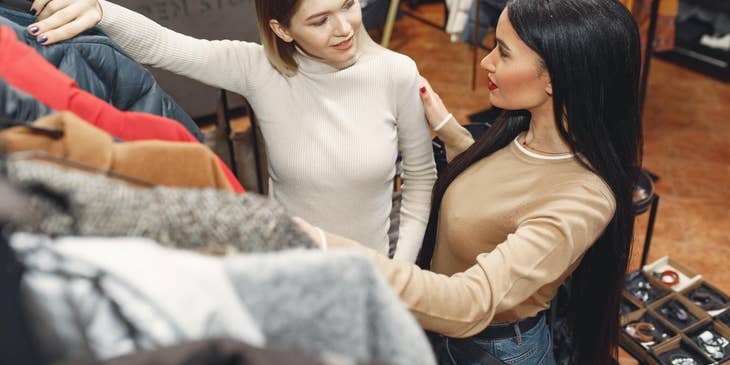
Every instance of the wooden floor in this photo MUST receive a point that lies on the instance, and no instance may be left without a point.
(686, 136)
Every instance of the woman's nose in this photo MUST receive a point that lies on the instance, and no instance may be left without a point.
(342, 26)
(487, 63)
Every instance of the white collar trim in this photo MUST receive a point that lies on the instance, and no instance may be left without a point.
(540, 156)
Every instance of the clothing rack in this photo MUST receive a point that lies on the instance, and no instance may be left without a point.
(229, 140)
(648, 53)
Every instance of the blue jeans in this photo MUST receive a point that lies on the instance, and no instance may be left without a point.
(533, 347)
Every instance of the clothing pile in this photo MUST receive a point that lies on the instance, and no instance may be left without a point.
(124, 240)
(46, 110)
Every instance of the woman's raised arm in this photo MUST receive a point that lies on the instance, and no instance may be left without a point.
(232, 65)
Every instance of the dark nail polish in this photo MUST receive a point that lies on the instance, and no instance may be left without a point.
(33, 29)
(42, 39)
(32, 11)
(423, 89)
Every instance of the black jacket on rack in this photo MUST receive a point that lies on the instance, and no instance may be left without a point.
(100, 67)
(16, 345)
(17, 105)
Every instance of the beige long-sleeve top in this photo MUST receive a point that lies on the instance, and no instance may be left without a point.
(511, 228)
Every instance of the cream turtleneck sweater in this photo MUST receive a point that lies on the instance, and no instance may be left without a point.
(332, 135)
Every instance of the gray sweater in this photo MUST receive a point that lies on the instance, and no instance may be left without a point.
(328, 302)
(185, 218)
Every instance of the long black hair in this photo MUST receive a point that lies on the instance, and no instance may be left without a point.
(591, 50)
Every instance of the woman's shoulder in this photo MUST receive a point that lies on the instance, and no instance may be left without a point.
(398, 70)
(400, 63)
(584, 184)
(389, 61)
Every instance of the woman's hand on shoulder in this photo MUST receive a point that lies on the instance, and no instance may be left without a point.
(435, 109)
(59, 20)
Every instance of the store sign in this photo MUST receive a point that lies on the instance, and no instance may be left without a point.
(172, 9)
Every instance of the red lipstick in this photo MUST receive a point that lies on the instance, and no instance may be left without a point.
(491, 86)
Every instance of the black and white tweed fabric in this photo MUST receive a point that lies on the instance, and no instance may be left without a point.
(202, 219)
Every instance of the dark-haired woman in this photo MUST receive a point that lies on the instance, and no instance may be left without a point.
(545, 194)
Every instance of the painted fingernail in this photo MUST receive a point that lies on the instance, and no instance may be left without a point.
(423, 89)
(42, 39)
(32, 11)
(33, 29)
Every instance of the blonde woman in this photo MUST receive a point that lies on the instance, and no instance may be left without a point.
(334, 107)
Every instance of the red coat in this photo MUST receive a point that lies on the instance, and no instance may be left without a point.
(28, 71)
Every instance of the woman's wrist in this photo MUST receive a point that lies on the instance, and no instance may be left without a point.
(101, 12)
(322, 238)
(443, 122)
(316, 234)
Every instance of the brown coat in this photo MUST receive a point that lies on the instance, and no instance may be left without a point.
(177, 164)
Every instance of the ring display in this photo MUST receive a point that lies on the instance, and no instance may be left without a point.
(706, 299)
(648, 331)
(668, 277)
(685, 354)
(682, 360)
(676, 313)
(683, 321)
(641, 294)
(642, 331)
(713, 344)
(641, 289)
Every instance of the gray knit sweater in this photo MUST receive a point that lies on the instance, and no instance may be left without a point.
(185, 218)
(334, 302)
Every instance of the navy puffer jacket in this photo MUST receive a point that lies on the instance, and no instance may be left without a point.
(100, 67)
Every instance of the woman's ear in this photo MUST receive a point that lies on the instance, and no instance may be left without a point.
(545, 76)
(280, 31)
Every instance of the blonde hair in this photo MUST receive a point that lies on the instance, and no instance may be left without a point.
(281, 53)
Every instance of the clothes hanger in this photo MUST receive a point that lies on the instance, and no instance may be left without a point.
(7, 122)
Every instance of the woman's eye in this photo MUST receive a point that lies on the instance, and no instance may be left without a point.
(321, 22)
(502, 53)
(349, 4)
